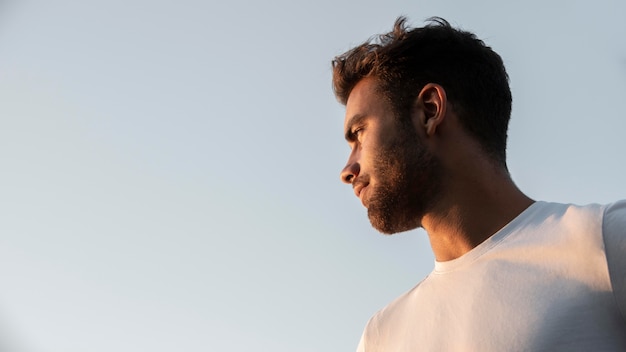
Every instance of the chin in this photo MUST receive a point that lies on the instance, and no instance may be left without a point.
(390, 225)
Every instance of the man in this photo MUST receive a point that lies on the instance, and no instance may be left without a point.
(427, 112)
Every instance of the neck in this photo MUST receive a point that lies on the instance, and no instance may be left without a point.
(476, 205)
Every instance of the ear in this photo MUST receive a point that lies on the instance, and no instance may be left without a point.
(432, 101)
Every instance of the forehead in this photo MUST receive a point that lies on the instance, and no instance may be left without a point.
(364, 99)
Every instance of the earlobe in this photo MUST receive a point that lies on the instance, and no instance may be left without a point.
(432, 100)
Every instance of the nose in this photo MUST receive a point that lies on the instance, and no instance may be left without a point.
(350, 172)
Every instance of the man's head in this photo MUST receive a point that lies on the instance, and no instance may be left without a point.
(397, 92)
(392, 172)
(404, 60)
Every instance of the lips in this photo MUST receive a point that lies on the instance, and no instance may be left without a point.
(358, 190)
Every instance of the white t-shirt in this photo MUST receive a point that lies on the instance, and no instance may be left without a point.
(553, 279)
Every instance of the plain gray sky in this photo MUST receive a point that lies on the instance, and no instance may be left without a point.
(169, 175)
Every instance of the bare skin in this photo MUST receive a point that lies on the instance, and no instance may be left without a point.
(477, 196)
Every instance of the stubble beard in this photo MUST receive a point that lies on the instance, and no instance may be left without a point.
(408, 182)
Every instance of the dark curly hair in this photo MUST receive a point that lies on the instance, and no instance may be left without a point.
(404, 60)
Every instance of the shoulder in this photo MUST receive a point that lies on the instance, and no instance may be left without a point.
(579, 218)
(560, 220)
(550, 211)
(614, 227)
(614, 236)
(615, 215)
(386, 329)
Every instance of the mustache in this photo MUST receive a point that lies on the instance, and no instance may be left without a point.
(360, 180)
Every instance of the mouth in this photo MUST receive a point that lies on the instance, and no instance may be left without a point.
(358, 191)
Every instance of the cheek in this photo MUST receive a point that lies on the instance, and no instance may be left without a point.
(372, 146)
(362, 153)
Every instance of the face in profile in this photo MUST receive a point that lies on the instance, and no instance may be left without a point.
(391, 170)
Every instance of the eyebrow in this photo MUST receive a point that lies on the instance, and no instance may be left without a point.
(354, 120)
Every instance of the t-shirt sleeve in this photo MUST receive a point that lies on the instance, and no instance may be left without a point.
(365, 337)
(361, 347)
(614, 234)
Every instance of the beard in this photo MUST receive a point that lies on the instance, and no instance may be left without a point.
(408, 183)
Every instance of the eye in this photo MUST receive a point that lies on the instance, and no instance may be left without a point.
(354, 133)
(357, 132)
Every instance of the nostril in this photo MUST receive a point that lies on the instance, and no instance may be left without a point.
(350, 172)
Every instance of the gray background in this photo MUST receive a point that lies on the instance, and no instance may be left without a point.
(169, 171)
